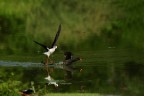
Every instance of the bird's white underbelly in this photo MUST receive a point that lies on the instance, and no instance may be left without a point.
(49, 52)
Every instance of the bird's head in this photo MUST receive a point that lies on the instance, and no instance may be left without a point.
(68, 55)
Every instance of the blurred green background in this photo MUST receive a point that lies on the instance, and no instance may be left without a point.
(86, 24)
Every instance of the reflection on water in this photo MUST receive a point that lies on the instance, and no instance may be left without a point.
(106, 72)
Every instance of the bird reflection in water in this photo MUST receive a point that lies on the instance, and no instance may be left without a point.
(51, 81)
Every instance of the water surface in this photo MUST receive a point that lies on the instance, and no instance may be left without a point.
(111, 71)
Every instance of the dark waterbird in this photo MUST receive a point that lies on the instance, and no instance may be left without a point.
(26, 92)
(68, 55)
(50, 50)
(69, 60)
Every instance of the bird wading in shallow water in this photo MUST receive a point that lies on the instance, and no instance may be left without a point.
(51, 50)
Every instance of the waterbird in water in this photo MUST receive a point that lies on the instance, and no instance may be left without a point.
(50, 50)
(69, 60)
(26, 92)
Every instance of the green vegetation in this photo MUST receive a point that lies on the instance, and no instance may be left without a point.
(8, 84)
(86, 24)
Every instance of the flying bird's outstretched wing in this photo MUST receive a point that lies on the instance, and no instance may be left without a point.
(56, 36)
(45, 47)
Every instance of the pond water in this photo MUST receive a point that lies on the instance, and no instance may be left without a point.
(111, 71)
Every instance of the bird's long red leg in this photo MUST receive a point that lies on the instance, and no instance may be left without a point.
(46, 65)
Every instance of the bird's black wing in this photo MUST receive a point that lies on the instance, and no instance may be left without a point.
(56, 36)
(45, 47)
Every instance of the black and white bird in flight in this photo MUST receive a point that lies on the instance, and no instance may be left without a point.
(50, 50)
